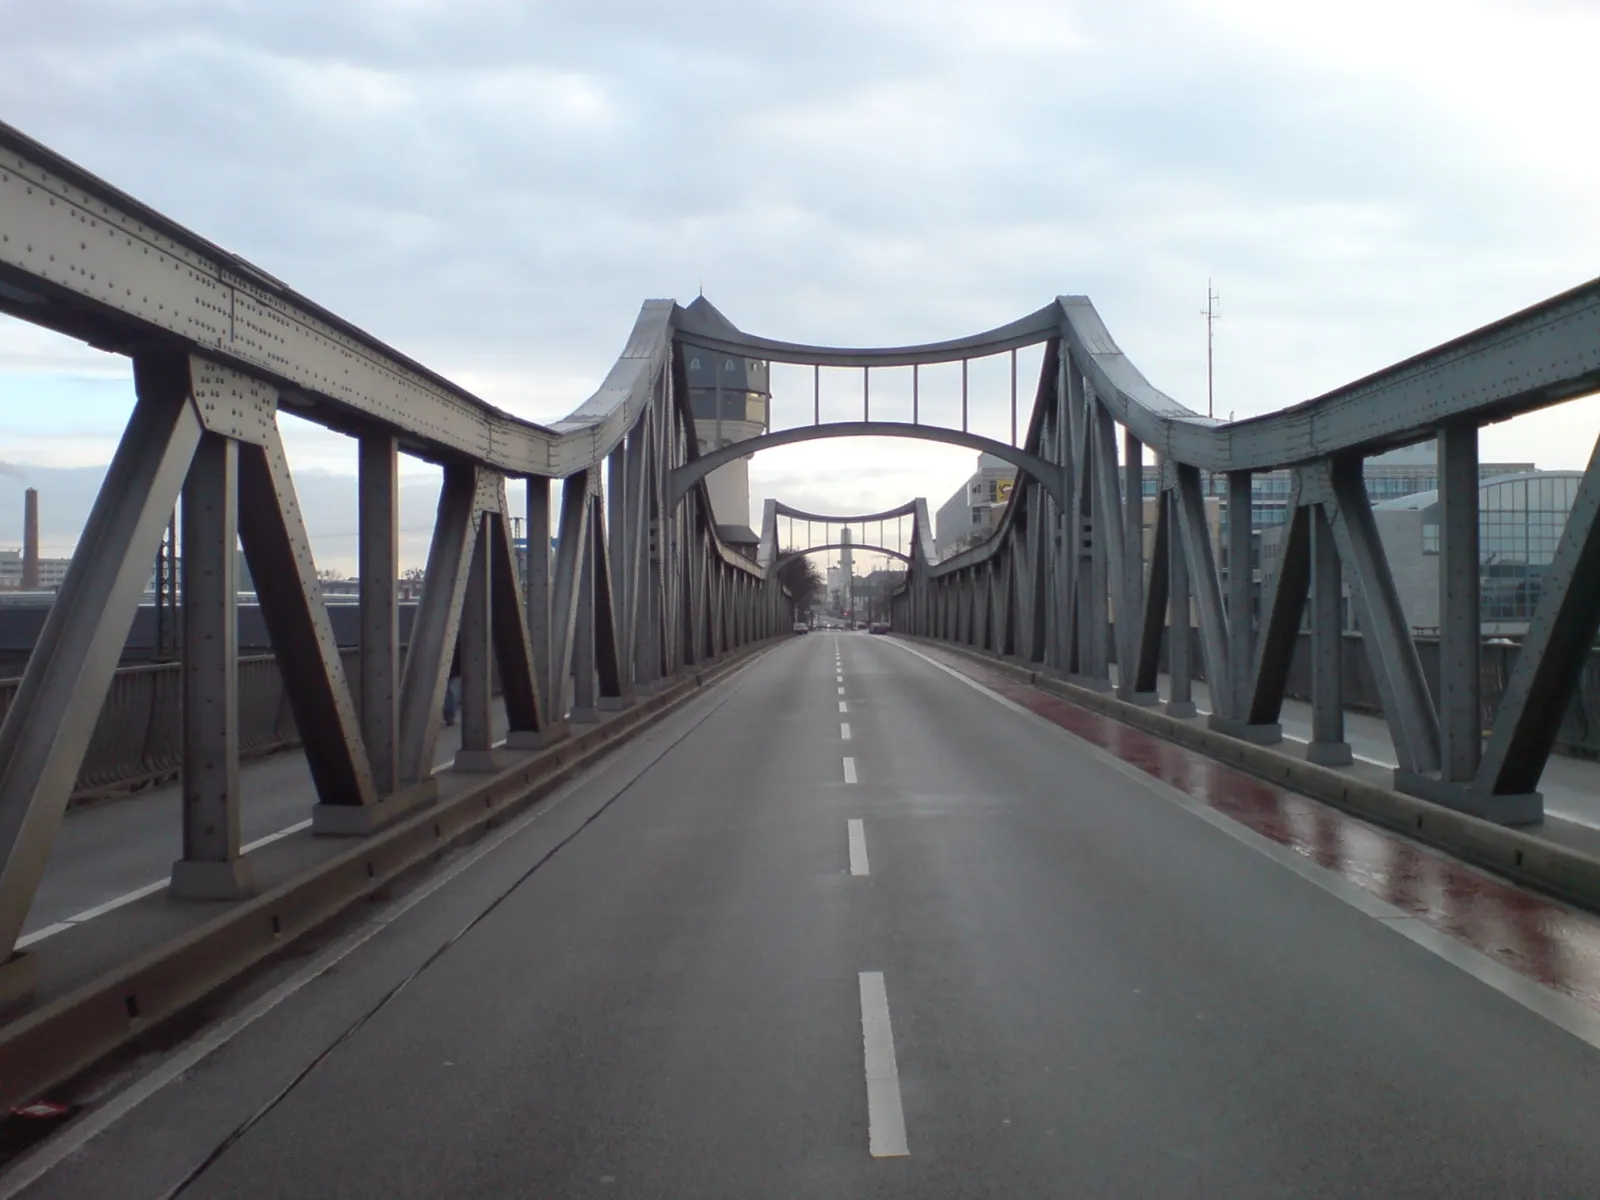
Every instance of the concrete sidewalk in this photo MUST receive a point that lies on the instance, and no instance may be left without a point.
(1571, 786)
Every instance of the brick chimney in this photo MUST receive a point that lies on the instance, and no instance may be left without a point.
(30, 540)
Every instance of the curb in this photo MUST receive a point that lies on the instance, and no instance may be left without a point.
(46, 1046)
(1556, 870)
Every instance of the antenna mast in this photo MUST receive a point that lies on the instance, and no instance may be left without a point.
(1210, 314)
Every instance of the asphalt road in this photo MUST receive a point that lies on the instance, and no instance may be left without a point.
(1052, 980)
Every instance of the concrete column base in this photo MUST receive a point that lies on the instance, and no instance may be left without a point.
(1260, 735)
(479, 762)
(1090, 682)
(19, 977)
(1526, 808)
(613, 703)
(583, 716)
(196, 880)
(1145, 699)
(358, 820)
(1329, 754)
(1182, 709)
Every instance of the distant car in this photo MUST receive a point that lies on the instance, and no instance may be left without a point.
(801, 627)
(879, 627)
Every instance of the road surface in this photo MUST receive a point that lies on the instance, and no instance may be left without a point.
(850, 925)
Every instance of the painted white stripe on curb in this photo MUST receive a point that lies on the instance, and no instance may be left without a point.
(886, 1119)
(849, 770)
(858, 846)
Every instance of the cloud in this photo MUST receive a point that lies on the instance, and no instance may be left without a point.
(494, 187)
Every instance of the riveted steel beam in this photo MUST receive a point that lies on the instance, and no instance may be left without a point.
(1385, 633)
(47, 728)
(285, 576)
(212, 867)
(1547, 668)
(434, 629)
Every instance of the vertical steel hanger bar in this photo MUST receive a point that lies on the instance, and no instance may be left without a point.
(379, 569)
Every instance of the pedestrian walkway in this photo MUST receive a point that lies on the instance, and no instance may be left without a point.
(1571, 786)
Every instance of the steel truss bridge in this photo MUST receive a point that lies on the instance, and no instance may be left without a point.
(640, 588)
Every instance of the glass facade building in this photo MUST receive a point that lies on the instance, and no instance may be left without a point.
(1520, 520)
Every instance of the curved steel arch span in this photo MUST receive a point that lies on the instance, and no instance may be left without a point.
(690, 473)
(908, 509)
(865, 547)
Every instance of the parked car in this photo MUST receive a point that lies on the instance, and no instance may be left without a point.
(879, 627)
(801, 627)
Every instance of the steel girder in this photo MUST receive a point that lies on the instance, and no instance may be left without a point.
(1098, 565)
(588, 628)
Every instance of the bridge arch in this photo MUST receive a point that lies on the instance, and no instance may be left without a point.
(1045, 474)
(789, 555)
(908, 509)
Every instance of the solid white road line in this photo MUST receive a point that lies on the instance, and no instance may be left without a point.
(849, 770)
(858, 847)
(843, 707)
(886, 1119)
(1561, 1010)
(50, 1154)
(844, 730)
(150, 889)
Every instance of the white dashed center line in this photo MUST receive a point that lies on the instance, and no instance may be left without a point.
(844, 730)
(849, 770)
(858, 847)
(886, 1120)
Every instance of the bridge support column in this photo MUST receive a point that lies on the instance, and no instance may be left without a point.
(476, 754)
(1460, 615)
(1385, 634)
(538, 591)
(379, 553)
(284, 572)
(1550, 665)
(611, 681)
(1180, 672)
(1328, 746)
(1131, 618)
(211, 867)
(1147, 666)
(1230, 704)
(585, 710)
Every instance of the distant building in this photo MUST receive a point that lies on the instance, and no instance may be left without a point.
(52, 571)
(1520, 519)
(974, 509)
(729, 397)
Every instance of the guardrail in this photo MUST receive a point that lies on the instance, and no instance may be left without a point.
(138, 737)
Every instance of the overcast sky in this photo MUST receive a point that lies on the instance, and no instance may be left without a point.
(494, 187)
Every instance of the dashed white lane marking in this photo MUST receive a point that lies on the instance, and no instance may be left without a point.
(844, 730)
(841, 691)
(886, 1119)
(150, 889)
(849, 770)
(858, 846)
(843, 707)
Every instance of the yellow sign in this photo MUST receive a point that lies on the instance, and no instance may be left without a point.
(1002, 490)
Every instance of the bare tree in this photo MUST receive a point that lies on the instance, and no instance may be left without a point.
(802, 579)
